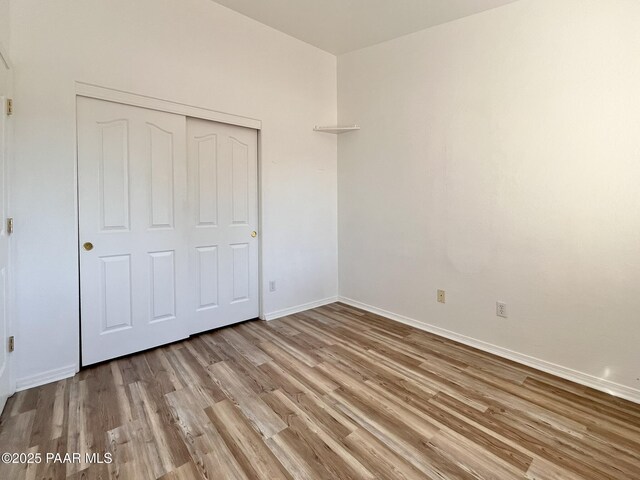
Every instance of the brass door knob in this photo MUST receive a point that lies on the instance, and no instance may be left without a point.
(88, 246)
(254, 234)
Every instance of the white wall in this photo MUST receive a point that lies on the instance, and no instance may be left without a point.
(4, 24)
(191, 51)
(499, 159)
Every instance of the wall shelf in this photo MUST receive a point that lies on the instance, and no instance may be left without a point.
(336, 130)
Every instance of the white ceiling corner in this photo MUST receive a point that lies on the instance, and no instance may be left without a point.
(340, 26)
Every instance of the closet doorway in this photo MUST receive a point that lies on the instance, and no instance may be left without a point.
(168, 221)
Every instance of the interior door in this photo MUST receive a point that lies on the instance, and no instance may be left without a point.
(6, 387)
(134, 264)
(223, 217)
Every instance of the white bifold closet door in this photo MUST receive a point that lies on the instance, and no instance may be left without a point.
(160, 257)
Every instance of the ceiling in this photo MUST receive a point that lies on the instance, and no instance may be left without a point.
(340, 26)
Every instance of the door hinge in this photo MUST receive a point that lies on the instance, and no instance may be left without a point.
(9, 226)
(12, 343)
(9, 106)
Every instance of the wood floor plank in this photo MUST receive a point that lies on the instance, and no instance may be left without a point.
(465, 454)
(42, 426)
(297, 457)
(333, 454)
(245, 443)
(384, 463)
(244, 346)
(543, 470)
(55, 470)
(255, 410)
(193, 373)
(132, 447)
(188, 471)
(329, 393)
(78, 433)
(312, 378)
(399, 438)
(15, 431)
(591, 453)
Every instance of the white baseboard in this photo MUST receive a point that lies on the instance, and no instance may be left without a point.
(596, 383)
(45, 377)
(298, 308)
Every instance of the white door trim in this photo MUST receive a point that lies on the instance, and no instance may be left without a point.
(12, 328)
(84, 89)
(152, 103)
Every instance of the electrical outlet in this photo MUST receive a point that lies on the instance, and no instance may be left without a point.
(272, 285)
(501, 309)
(441, 296)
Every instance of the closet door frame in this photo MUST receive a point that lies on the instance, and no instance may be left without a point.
(137, 100)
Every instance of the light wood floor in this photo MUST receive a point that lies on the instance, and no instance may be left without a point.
(329, 393)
